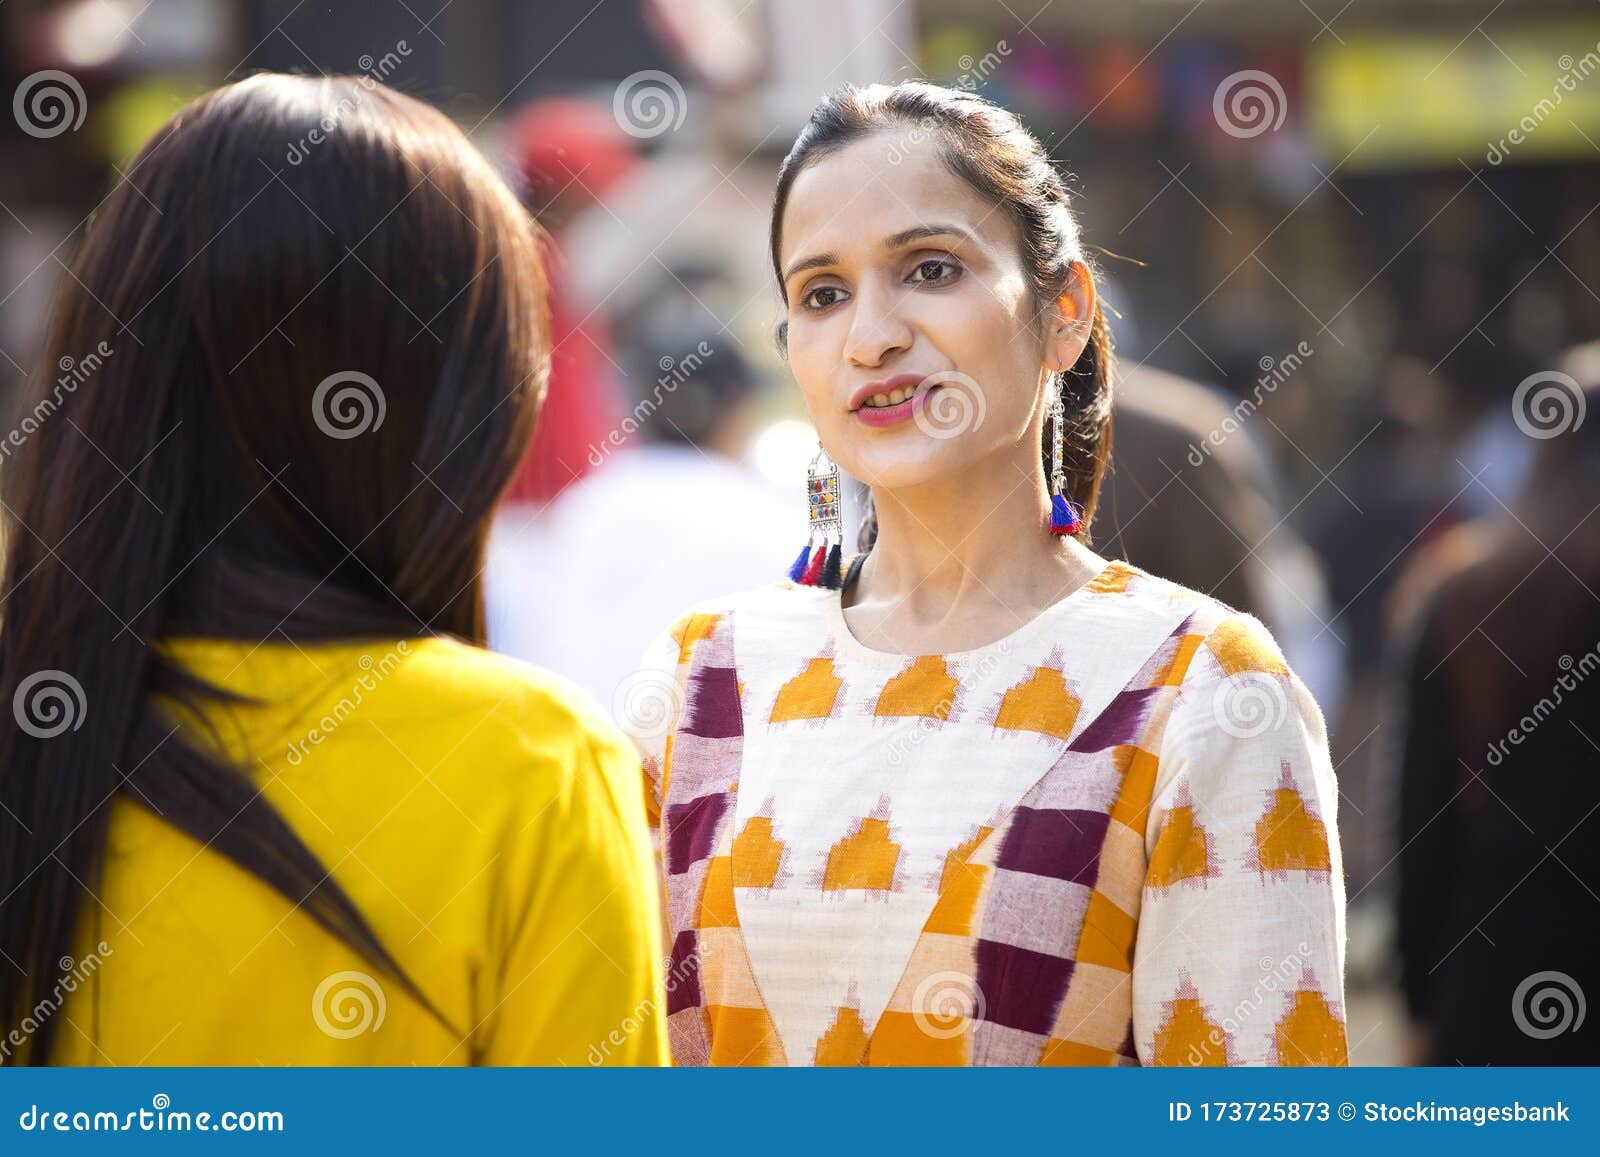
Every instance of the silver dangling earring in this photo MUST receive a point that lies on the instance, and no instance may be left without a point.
(819, 563)
(1066, 516)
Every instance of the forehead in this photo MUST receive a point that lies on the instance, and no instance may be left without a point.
(853, 198)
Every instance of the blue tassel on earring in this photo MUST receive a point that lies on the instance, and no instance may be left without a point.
(1065, 515)
(799, 567)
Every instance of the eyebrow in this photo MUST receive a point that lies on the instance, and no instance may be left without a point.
(893, 242)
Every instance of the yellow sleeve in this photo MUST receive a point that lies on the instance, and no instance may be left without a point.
(580, 978)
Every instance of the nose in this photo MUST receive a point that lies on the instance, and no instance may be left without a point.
(876, 329)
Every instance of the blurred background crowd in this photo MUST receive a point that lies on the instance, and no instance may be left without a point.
(1354, 252)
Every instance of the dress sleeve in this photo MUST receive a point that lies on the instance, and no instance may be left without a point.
(1239, 958)
(579, 978)
(648, 705)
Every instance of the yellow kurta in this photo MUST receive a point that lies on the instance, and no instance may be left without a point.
(484, 816)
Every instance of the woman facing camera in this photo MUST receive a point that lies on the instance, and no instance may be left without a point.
(980, 796)
(265, 798)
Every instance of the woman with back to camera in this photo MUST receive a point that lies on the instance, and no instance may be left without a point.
(981, 796)
(265, 798)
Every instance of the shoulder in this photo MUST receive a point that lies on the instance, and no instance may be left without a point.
(1225, 663)
(505, 725)
(1219, 638)
(1240, 718)
(779, 599)
(448, 673)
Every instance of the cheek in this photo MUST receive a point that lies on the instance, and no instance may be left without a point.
(987, 334)
(975, 315)
(808, 364)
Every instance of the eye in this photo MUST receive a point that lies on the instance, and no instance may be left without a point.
(822, 297)
(935, 271)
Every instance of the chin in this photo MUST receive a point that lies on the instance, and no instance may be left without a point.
(917, 461)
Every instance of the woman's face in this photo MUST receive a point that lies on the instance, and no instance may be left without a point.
(903, 283)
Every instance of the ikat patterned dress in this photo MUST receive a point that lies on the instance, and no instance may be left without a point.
(1105, 839)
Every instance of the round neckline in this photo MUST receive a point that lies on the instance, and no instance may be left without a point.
(848, 644)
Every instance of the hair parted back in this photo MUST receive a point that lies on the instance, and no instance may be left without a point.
(992, 150)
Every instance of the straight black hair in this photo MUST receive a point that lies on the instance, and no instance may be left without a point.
(308, 340)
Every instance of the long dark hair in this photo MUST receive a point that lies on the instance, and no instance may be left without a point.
(989, 148)
(307, 339)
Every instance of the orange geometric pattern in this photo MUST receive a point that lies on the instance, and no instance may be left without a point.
(1039, 703)
(757, 853)
(1186, 1036)
(956, 858)
(691, 630)
(865, 858)
(811, 694)
(743, 1037)
(1184, 848)
(1288, 837)
(1113, 580)
(1108, 935)
(716, 895)
(925, 688)
(1309, 1033)
(845, 1042)
(1238, 647)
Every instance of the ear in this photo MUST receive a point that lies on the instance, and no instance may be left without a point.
(1069, 319)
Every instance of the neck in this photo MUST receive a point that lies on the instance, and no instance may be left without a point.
(982, 535)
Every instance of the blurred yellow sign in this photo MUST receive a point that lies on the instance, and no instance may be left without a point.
(1491, 96)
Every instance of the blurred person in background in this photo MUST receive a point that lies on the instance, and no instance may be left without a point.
(1391, 495)
(262, 772)
(571, 153)
(671, 514)
(1497, 658)
(1191, 497)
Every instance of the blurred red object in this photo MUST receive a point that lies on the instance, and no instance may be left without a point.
(570, 145)
(582, 404)
(571, 152)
